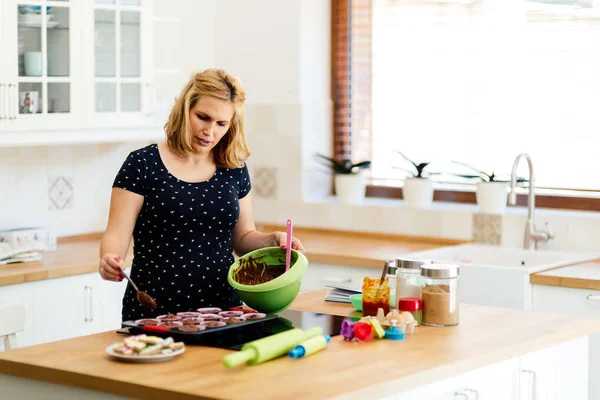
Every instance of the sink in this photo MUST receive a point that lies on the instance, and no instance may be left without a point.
(481, 255)
(500, 276)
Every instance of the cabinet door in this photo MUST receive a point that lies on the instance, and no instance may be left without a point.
(75, 306)
(579, 302)
(20, 294)
(118, 71)
(42, 61)
(108, 304)
(556, 373)
(59, 309)
(495, 382)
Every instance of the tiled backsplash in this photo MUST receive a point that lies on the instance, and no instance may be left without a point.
(575, 231)
(60, 193)
(66, 188)
(487, 228)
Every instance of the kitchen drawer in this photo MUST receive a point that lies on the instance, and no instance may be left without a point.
(557, 299)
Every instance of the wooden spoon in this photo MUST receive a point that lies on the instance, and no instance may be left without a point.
(144, 298)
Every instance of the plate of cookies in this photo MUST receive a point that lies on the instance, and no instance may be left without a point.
(145, 349)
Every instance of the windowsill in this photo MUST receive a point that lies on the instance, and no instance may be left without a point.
(438, 206)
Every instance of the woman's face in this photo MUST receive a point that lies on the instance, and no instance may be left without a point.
(209, 122)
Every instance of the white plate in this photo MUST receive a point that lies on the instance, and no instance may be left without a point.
(142, 359)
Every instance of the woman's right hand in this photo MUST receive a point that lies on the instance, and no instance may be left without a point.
(110, 268)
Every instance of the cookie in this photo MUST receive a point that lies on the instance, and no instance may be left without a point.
(209, 310)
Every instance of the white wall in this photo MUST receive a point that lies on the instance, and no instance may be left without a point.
(280, 51)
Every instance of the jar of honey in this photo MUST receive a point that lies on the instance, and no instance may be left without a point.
(375, 297)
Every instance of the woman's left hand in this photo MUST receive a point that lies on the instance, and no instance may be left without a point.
(280, 241)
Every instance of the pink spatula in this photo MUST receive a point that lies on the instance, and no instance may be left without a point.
(288, 245)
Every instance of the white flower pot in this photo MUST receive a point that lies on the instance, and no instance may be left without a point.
(418, 192)
(492, 197)
(350, 188)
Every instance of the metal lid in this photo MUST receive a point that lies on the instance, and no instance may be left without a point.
(391, 268)
(440, 271)
(411, 263)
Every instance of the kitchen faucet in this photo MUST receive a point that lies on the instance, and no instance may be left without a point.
(531, 235)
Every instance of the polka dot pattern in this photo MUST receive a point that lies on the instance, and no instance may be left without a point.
(182, 237)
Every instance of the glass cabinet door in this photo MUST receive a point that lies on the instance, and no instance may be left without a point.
(118, 60)
(41, 83)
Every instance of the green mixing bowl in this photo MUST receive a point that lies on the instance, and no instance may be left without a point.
(356, 300)
(277, 294)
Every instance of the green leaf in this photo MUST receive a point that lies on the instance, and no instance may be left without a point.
(466, 176)
(483, 174)
(362, 165)
(407, 159)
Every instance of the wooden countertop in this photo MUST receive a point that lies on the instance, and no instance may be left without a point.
(73, 257)
(353, 370)
(580, 276)
(80, 255)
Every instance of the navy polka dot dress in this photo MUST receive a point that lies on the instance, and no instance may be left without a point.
(182, 237)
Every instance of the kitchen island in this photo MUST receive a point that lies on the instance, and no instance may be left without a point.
(504, 351)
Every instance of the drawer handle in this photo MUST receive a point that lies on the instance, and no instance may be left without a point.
(593, 297)
(89, 317)
(532, 384)
(466, 394)
(337, 279)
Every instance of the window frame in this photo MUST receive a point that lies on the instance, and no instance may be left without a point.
(342, 130)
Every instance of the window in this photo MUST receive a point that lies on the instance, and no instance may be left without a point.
(476, 82)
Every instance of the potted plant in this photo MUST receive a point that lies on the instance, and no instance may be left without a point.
(350, 186)
(491, 192)
(418, 187)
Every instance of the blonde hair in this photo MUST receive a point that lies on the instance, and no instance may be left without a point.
(232, 150)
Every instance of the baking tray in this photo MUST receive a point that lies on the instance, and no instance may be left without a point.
(231, 336)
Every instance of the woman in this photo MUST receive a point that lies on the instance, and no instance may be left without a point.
(186, 201)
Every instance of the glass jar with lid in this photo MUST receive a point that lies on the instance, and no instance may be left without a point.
(408, 277)
(375, 295)
(440, 294)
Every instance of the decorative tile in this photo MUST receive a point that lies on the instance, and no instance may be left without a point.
(487, 228)
(264, 182)
(60, 193)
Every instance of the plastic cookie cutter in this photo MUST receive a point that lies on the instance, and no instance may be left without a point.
(347, 330)
(363, 331)
(393, 333)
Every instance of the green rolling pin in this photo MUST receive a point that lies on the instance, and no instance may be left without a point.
(271, 347)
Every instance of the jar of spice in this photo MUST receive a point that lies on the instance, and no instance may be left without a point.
(375, 297)
(408, 277)
(413, 305)
(440, 294)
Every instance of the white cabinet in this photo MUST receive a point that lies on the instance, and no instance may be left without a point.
(75, 306)
(73, 64)
(579, 302)
(118, 69)
(495, 382)
(318, 275)
(42, 64)
(63, 308)
(559, 372)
